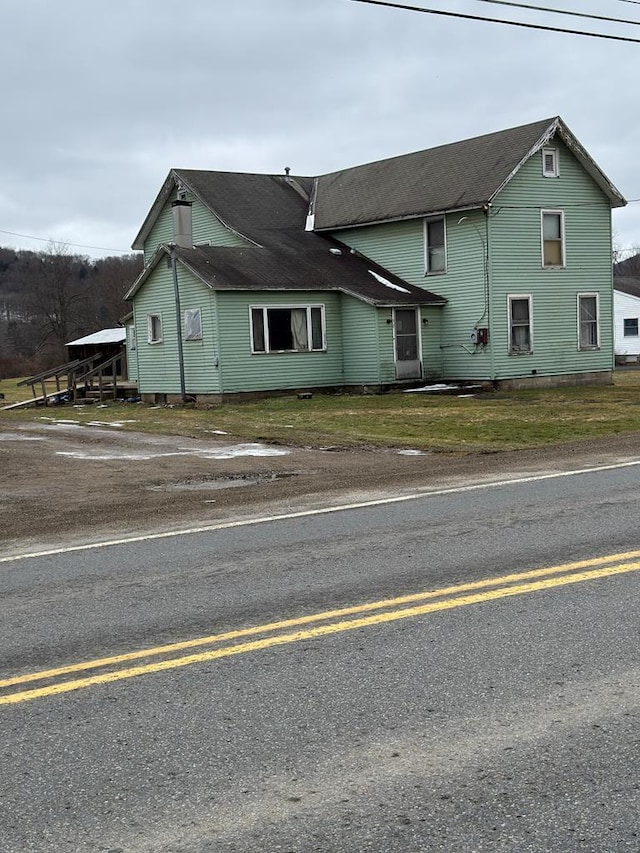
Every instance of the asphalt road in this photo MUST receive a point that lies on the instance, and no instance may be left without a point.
(203, 692)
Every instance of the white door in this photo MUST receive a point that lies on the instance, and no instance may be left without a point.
(407, 343)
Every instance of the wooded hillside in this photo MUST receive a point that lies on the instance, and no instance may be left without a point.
(51, 297)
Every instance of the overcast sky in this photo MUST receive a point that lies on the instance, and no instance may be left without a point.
(102, 97)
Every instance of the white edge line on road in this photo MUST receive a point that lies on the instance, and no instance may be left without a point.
(225, 525)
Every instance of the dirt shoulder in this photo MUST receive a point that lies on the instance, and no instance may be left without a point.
(65, 484)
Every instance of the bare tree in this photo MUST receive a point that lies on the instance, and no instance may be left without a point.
(60, 298)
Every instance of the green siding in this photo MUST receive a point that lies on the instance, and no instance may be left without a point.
(516, 261)
(360, 341)
(512, 232)
(206, 228)
(132, 352)
(242, 370)
(158, 363)
(399, 246)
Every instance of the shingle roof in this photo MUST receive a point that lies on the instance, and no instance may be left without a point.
(627, 284)
(271, 212)
(458, 176)
(317, 268)
(630, 267)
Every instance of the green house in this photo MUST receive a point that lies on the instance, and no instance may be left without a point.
(487, 260)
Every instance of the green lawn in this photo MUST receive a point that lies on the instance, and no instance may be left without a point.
(486, 422)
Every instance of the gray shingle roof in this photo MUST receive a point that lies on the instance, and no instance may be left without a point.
(271, 212)
(627, 284)
(315, 268)
(458, 176)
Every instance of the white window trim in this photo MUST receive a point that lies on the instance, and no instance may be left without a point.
(511, 297)
(562, 239)
(588, 294)
(635, 334)
(555, 173)
(150, 339)
(288, 307)
(132, 342)
(425, 241)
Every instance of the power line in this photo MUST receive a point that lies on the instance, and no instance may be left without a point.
(78, 245)
(409, 8)
(562, 12)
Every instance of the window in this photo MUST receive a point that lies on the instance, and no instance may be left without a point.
(132, 337)
(154, 326)
(552, 238)
(550, 162)
(631, 327)
(519, 324)
(588, 321)
(435, 246)
(295, 329)
(193, 324)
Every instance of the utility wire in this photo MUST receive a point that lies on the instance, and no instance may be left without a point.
(561, 12)
(408, 8)
(78, 245)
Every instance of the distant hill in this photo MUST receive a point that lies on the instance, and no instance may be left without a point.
(48, 298)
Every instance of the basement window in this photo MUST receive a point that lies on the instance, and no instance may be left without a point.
(298, 328)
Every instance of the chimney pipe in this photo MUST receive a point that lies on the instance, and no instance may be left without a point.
(182, 231)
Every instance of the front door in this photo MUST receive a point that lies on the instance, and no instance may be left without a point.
(407, 343)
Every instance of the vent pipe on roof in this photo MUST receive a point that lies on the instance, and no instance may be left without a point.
(182, 230)
(287, 169)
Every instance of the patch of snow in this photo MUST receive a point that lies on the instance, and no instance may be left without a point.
(230, 452)
(109, 423)
(12, 436)
(411, 453)
(217, 431)
(439, 386)
(60, 421)
(388, 283)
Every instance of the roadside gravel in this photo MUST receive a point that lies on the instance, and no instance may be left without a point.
(67, 484)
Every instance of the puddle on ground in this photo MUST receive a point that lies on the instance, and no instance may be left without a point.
(231, 481)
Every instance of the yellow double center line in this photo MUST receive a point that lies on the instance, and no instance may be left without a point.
(110, 669)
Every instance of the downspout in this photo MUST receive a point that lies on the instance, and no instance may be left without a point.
(176, 299)
(487, 212)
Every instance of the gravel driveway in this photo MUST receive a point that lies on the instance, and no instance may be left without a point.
(63, 483)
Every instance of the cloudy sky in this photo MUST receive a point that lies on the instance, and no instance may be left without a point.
(102, 97)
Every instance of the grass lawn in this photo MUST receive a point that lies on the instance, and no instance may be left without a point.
(487, 422)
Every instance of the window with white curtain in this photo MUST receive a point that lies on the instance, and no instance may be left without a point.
(296, 328)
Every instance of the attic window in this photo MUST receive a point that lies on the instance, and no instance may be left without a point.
(181, 195)
(550, 163)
